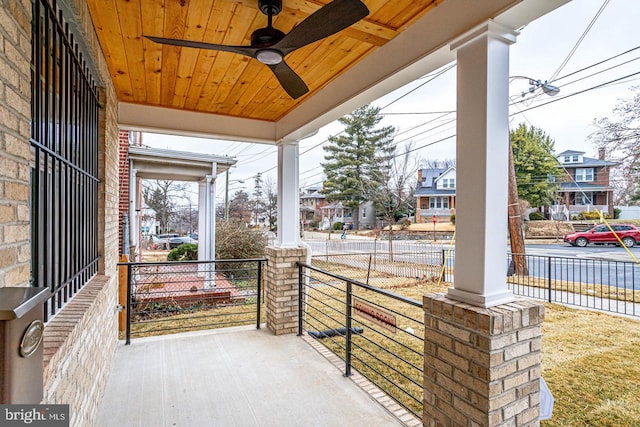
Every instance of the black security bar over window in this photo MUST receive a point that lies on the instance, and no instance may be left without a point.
(64, 168)
(169, 297)
(376, 332)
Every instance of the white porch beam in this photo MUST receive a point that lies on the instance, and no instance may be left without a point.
(133, 203)
(482, 164)
(288, 196)
(206, 219)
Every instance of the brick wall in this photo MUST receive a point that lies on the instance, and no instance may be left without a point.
(482, 365)
(108, 193)
(79, 346)
(80, 341)
(123, 165)
(281, 289)
(15, 154)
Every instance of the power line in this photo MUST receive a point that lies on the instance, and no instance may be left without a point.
(444, 113)
(580, 40)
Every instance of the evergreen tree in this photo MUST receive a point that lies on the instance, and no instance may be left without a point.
(535, 165)
(356, 157)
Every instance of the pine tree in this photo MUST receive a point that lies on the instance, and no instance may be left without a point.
(535, 165)
(355, 158)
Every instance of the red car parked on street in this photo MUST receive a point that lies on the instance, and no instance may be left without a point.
(601, 234)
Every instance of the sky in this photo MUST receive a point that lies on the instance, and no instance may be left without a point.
(560, 48)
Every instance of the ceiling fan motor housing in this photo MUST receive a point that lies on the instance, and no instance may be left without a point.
(270, 7)
(266, 37)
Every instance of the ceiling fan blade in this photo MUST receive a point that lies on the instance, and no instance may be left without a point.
(242, 50)
(328, 20)
(290, 81)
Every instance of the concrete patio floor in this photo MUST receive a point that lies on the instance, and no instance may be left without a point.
(233, 377)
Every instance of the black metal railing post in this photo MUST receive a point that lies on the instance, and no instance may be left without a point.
(549, 276)
(259, 299)
(300, 307)
(128, 329)
(444, 266)
(347, 361)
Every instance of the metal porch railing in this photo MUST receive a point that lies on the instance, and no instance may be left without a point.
(378, 333)
(166, 297)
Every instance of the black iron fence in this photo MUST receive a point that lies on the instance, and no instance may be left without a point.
(376, 332)
(167, 297)
(600, 284)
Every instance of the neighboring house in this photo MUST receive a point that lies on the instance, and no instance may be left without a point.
(311, 203)
(585, 187)
(436, 194)
(314, 206)
(148, 222)
(332, 213)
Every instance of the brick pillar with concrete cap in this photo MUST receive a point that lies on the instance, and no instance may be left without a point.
(281, 279)
(482, 346)
(482, 365)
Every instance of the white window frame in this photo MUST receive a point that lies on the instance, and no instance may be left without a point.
(438, 202)
(583, 199)
(584, 175)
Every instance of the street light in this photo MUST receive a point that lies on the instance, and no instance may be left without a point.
(226, 194)
(534, 85)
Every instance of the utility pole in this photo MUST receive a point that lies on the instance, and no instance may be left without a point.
(518, 260)
(226, 196)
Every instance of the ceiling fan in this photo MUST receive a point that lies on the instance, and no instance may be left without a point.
(270, 45)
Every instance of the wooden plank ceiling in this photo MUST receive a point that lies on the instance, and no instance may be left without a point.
(226, 83)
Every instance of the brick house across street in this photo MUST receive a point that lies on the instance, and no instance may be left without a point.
(585, 186)
(436, 193)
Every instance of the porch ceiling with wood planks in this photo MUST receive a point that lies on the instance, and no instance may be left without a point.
(216, 94)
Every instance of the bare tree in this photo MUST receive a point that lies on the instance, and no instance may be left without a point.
(240, 207)
(620, 137)
(270, 200)
(393, 198)
(163, 196)
(438, 163)
(258, 203)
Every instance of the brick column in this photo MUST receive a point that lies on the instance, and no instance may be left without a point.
(123, 180)
(482, 365)
(281, 289)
